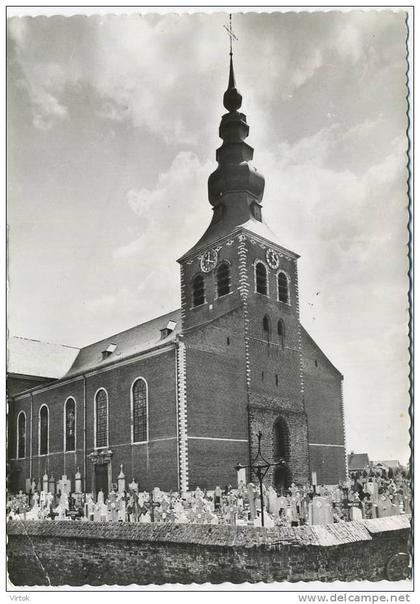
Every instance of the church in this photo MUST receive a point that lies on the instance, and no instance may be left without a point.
(178, 401)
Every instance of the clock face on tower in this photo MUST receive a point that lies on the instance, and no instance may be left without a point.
(208, 261)
(273, 259)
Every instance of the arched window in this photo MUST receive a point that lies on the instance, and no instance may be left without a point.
(43, 430)
(198, 290)
(139, 410)
(260, 278)
(281, 332)
(223, 279)
(70, 425)
(266, 327)
(21, 435)
(283, 287)
(281, 440)
(101, 419)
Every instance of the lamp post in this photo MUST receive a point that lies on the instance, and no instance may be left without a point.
(260, 467)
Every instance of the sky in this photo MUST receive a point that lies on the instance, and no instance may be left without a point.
(112, 132)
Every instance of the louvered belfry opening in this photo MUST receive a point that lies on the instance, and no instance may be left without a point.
(223, 279)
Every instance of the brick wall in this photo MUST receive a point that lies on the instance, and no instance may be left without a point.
(154, 463)
(80, 553)
(216, 401)
(324, 408)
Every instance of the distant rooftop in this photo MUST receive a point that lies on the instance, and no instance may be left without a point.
(389, 463)
(40, 359)
(357, 461)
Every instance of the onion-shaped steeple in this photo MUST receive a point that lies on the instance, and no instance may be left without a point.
(235, 174)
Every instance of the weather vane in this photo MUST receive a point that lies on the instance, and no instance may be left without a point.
(231, 34)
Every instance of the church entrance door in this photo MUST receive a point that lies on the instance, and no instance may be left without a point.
(101, 479)
(281, 478)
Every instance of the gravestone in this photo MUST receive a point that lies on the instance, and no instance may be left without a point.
(121, 480)
(89, 507)
(272, 501)
(356, 513)
(252, 496)
(51, 484)
(78, 482)
(97, 512)
(321, 511)
(241, 477)
(133, 486)
(384, 507)
(64, 485)
(45, 482)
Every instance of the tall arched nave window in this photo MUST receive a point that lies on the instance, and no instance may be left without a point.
(43, 430)
(70, 425)
(101, 419)
(21, 435)
(139, 408)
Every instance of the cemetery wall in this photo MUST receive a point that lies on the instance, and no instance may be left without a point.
(79, 553)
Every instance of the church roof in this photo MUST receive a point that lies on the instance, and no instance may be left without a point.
(224, 228)
(125, 344)
(40, 359)
(310, 340)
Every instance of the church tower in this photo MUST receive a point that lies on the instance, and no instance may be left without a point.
(240, 324)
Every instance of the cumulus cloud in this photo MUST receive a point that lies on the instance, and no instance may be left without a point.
(177, 205)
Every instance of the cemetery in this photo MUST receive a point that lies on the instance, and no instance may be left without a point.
(344, 532)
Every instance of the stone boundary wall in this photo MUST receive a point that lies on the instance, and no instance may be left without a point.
(89, 553)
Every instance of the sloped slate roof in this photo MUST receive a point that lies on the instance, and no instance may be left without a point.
(40, 359)
(226, 228)
(306, 338)
(357, 460)
(128, 343)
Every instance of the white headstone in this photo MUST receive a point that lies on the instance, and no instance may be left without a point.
(121, 480)
(241, 474)
(356, 513)
(133, 486)
(78, 482)
(321, 511)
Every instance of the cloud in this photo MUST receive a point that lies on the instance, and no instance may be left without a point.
(176, 208)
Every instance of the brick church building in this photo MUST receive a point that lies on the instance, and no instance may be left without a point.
(178, 401)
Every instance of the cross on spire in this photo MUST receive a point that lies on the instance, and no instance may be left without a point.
(230, 33)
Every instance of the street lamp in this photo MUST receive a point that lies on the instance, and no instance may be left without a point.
(260, 467)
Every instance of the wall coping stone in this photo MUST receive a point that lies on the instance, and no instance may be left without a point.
(212, 535)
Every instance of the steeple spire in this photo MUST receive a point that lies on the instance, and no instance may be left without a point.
(235, 174)
(232, 98)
